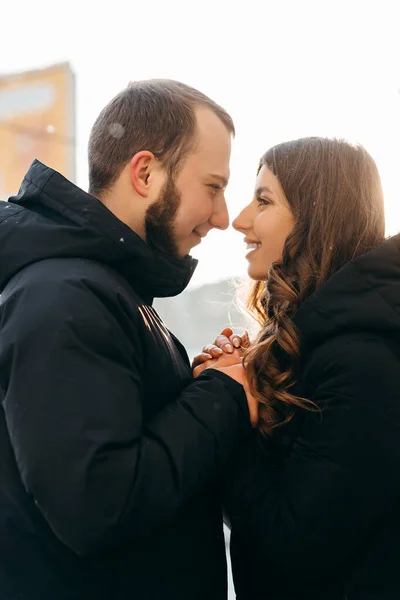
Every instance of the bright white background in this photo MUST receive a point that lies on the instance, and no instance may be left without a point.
(283, 69)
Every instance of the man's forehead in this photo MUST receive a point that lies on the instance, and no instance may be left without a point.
(211, 132)
(207, 119)
(212, 162)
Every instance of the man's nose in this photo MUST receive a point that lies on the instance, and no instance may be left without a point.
(220, 217)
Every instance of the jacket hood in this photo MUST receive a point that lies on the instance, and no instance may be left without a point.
(362, 296)
(52, 218)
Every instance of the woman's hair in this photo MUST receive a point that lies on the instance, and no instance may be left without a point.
(335, 194)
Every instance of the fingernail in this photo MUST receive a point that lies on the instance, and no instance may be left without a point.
(218, 350)
(236, 343)
(228, 347)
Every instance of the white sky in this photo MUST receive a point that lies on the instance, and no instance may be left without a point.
(283, 69)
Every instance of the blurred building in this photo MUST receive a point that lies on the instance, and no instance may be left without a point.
(37, 120)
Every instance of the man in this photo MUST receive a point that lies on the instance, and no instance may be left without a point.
(109, 450)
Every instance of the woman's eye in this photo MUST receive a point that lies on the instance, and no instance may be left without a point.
(263, 201)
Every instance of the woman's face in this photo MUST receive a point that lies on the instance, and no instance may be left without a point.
(266, 223)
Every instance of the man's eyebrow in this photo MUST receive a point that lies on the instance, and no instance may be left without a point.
(223, 180)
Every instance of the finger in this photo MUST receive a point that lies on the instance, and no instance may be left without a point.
(200, 359)
(224, 336)
(235, 340)
(213, 350)
(224, 343)
(227, 332)
(235, 356)
(198, 370)
(245, 340)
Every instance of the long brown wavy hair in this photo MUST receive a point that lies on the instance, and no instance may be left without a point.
(335, 194)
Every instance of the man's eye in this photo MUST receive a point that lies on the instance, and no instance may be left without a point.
(215, 188)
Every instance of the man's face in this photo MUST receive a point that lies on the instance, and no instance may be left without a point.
(160, 217)
(193, 203)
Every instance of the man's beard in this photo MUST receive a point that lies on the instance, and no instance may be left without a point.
(159, 220)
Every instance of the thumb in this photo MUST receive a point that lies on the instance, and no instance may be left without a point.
(227, 332)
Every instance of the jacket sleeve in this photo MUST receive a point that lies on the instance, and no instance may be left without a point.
(312, 513)
(73, 406)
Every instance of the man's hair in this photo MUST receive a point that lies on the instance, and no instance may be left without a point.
(156, 115)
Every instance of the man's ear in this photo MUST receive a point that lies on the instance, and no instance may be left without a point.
(141, 168)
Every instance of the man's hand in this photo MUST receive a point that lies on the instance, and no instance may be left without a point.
(226, 342)
(226, 355)
(221, 360)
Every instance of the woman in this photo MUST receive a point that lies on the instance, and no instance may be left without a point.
(314, 498)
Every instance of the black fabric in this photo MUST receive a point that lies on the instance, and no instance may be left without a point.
(315, 513)
(109, 450)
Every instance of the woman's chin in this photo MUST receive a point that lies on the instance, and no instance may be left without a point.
(256, 274)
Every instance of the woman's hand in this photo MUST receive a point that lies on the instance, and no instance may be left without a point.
(226, 355)
(206, 360)
(238, 372)
(226, 342)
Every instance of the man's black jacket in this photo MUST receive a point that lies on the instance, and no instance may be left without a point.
(108, 448)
